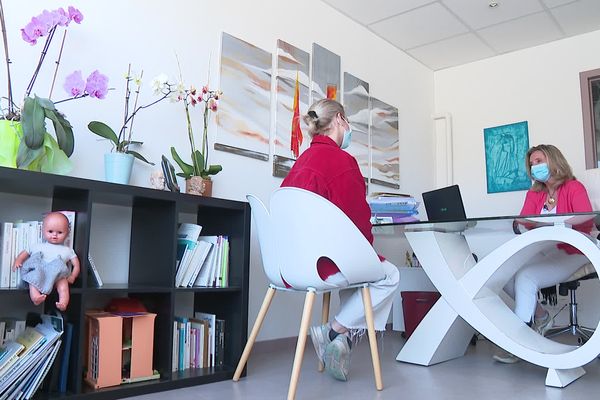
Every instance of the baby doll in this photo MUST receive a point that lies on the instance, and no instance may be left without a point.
(46, 263)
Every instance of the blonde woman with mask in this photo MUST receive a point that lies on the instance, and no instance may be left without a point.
(554, 191)
(327, 170)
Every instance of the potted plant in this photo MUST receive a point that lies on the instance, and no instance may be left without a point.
(119, 162)
(24, 141)
(198, 173)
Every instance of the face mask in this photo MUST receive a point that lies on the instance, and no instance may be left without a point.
(347, 138)
(540, 172)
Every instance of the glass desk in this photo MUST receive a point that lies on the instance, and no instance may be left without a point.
(472, 291)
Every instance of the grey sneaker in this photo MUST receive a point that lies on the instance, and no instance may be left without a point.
(505, 357)
(541, 325)
(337, 357)
(320, 338)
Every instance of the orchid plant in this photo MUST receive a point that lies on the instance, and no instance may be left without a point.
(191, 97)
(28, 145)
(123, 140)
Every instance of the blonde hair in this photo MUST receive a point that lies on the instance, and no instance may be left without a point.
(321, 114)
(559, 168)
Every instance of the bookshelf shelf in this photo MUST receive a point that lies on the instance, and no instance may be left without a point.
(151, 264)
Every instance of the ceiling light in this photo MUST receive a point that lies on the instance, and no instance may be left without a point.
(493, 4)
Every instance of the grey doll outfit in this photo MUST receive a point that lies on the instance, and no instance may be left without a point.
(46, 265)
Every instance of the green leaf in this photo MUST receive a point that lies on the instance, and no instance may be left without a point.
(139, 156)
(33, 122)
(214, 169)
(187, 169)
(198, 161)
(46, 103)
(26, 156)
(103, 130)
(64, 131)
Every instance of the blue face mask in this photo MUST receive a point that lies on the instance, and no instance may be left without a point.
(347, 138)
(540, 172)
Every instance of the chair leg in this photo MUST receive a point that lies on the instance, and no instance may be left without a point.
(304, 324)
(366, 295)
(254, 333)
(324, 318)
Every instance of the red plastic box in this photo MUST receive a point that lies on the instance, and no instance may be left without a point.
(415, 306)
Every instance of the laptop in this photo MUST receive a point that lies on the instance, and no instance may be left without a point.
(444, 204)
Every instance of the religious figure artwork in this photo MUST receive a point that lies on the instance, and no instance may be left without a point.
(244, 116)
(505, 150)
(292, 91)
(356, 105)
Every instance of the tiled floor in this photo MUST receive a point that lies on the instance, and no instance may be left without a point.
(475, 376)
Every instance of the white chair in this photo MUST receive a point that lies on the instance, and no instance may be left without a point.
(591, 180)
(300, 228)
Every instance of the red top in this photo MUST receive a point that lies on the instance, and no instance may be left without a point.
(330, 172)
(571, 198)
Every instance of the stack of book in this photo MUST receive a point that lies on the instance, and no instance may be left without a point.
(392, 208)
(201, 260)
(198, 342)
(24, 362)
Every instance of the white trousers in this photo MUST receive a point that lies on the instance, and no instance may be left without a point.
(545, 269)
(352, 311)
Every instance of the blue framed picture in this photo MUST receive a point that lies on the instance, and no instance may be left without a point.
(505, 150)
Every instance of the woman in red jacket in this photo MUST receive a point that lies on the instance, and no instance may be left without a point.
(332, 173)
(554, 191)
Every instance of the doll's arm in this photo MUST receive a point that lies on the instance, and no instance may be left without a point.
(75, 271)
(24, 255)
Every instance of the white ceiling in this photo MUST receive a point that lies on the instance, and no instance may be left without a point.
(445, 33)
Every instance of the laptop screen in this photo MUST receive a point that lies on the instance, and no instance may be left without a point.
(444, 204)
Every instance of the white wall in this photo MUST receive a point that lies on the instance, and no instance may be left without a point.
(148, 33)
(539, 85)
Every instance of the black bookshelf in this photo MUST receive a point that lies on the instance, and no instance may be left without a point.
(155, 216)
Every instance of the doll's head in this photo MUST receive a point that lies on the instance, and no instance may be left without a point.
(55, 228)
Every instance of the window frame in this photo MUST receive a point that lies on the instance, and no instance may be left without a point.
(587, 108)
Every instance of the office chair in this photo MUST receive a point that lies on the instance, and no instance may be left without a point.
(591, 180)
(569, 287)
(300, 228)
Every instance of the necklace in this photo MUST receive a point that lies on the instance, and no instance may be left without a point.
(551, 200)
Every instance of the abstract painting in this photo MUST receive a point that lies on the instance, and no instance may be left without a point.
(244, 115)
(325, 74)
(356, 105)
(292, 91)
(505, 150)
(385, 145)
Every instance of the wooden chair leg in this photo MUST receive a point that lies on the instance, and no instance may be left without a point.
(254, 333)
(366, 295)
(325, 318)
(304, 324)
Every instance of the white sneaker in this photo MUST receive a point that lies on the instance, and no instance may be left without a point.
(505, 357)
(542, 325)
(320, 338)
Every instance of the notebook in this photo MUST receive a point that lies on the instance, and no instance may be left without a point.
(444, 204)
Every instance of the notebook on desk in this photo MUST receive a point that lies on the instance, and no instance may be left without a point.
(444, 204)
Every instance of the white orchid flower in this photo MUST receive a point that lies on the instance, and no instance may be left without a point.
(159, 83)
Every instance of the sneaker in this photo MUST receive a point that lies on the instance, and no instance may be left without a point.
(542, 325)
(505, 357)
(337, 357)
(320, 338)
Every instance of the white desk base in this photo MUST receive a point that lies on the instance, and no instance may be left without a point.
(471, 301)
